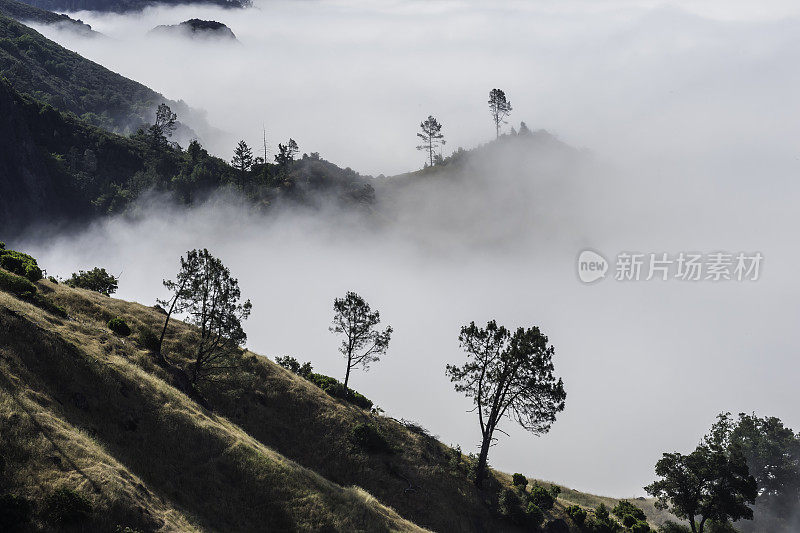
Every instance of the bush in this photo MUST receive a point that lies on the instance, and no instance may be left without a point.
(15, 512)
(358, 399)
(510, 507)
(33, 272)
(53, 279)
(577, 514)
(20, 264)
(673, 527)
(148, 340)
(370, 438)
(601, 512)
(16, 285)
(534, 515)
(65, 507)
(335, 388)
(625, 508)
(602, 522)
(119, 326)
(289, 363)
(519, 480)
(97, 280)
(541, 497)
(641, 526)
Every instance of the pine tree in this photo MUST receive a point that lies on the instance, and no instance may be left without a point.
(431, 136)
(499, 107)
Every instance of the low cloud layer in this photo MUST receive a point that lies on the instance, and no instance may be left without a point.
(693, 129)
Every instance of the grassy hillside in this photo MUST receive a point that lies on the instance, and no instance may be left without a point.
(79, 412)
(85, 410)
(69, 82)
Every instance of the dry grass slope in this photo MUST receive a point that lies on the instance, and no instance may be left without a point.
(274, 453)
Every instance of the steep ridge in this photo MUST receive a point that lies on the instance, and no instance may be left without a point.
(69, 82)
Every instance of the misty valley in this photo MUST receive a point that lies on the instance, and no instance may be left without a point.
(349, 265)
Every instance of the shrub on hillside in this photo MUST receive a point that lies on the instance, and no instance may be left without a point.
(510, 506)
(20, 264)
(625, 508)
(673, 527)
(331, 386)
(148, 340)
(358, 399)
(67, 507)
(97, 280)
(577, 514)
(16, 285)
(542, 497)
(15, 512)
(293, 365)
(518, 480)
(336, 389)
(370, 438)
(602, 521)
(534, 516)
(119, 326)
(641, 526)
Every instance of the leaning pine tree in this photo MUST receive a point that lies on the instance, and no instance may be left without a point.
(211, 299)
(507, 375)
(362, 342)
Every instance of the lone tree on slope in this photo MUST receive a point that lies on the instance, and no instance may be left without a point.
(499, 107)
(431, 136)
(207, 293)
(363, 342)
(507, 375)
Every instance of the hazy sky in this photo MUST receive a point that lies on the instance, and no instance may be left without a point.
(689, 112)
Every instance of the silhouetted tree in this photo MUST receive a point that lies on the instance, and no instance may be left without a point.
(772, 452)
(499, 107)
(164, 125)
(363, 343)
(206, 292)
(713, 483)
(523, 129)
(507, 375)
(431, 136)
(242, 158)
(181, 290)
(286, 153)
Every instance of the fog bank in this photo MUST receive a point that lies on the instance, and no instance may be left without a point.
(690, 117)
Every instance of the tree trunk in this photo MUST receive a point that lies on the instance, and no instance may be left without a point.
(347, 376)
(159, 355)
(480, 471)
